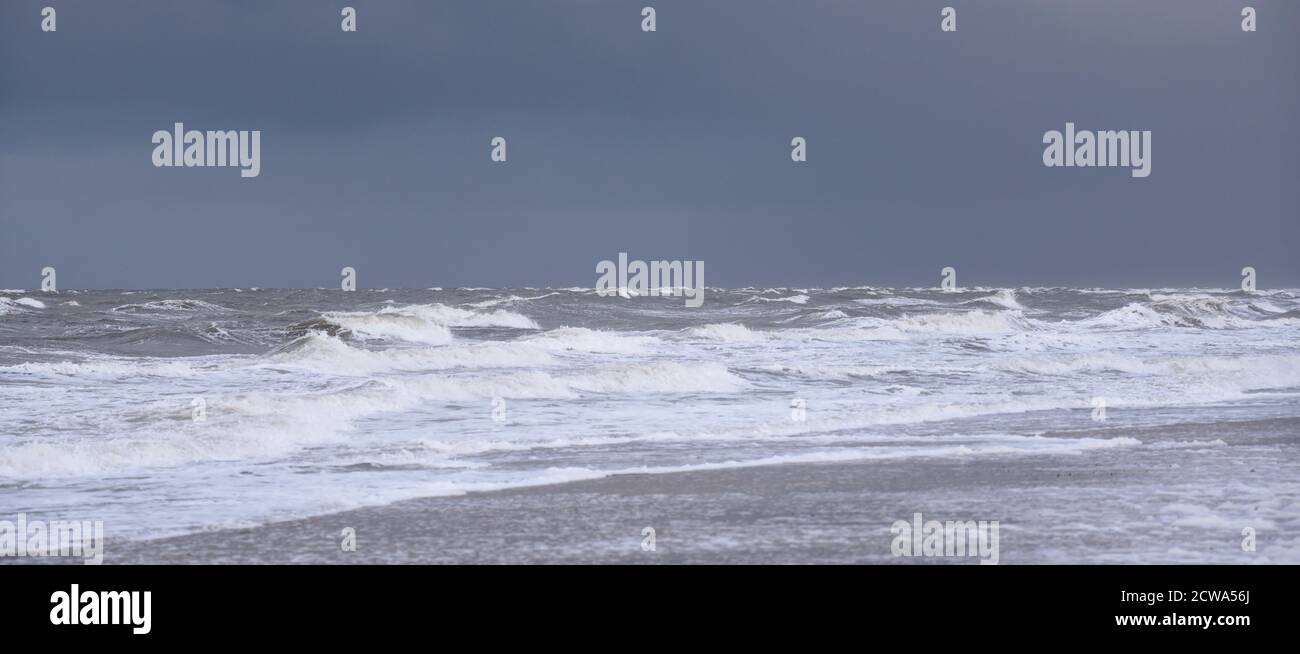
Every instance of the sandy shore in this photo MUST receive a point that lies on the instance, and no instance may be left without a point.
(1183, 495)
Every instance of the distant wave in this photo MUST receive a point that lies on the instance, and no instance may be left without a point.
(1005, 298)
(795, 299)
(389, 324)
(972, 322)
(323, 352)
(581, 339)
(1187, 311)
(421, 323)
(659, 377)
(896, 301)
(729, 332)
(169, 306)
(8, 306)
(509, 299)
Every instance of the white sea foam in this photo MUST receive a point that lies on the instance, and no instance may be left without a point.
(325, 353)
(921, 325)
(251, 426)
(581, 339)
(1187, 445)
(107, 368)
(973, 322)
(1265, 368)
(659, 377)
(1021, 445)
(727, 332)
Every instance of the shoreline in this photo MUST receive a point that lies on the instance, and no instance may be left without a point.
(1159, 502)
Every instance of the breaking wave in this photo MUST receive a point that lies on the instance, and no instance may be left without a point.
(727, 332)
(169, 306)
(8, 306)
(1189, 311)
(421, 323)
(1005, 298)
(581, 339)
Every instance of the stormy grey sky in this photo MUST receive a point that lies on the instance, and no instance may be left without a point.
(924, 147)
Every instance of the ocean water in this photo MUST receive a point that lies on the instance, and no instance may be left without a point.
(315, 401)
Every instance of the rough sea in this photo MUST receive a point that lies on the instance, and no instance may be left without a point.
(173, 411)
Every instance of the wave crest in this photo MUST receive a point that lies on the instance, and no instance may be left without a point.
(1005, 298)
(429, 324)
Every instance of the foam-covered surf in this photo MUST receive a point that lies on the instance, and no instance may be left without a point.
(209, 408)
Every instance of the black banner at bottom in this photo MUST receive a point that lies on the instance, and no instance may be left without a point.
(147, 605)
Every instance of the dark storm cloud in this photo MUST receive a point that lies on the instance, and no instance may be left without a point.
(924, 148)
